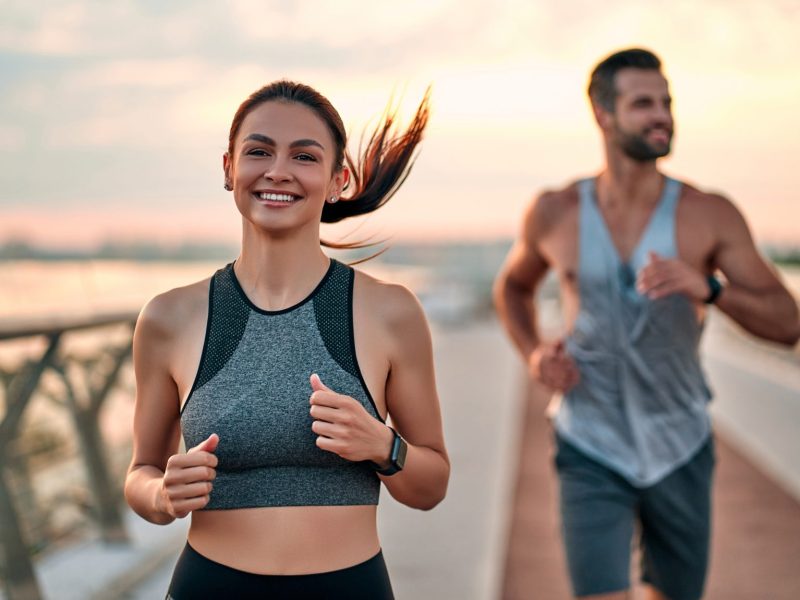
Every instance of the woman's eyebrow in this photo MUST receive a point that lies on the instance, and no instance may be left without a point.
(306, 142)
(264, 139)
(258, 137)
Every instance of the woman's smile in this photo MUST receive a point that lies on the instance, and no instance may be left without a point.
(277, 199)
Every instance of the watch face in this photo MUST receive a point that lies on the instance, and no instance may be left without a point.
(399, 457)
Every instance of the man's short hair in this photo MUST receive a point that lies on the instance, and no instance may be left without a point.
(602, 90)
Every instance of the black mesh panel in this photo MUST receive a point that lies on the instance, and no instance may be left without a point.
(333, 311)
(229, 316)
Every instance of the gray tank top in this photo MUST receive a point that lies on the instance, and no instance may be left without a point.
(252, 389)
(640, 407)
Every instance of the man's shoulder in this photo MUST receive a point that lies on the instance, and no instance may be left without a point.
(708, 204)
(554, 203)
(559, 196)
(549, 208)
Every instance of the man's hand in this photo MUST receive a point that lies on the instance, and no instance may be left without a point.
(665, 276)
(550, 364)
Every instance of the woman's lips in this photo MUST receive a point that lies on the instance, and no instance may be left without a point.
(276, 196)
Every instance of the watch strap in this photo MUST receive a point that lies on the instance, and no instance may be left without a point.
(397, 456)
(715, 288)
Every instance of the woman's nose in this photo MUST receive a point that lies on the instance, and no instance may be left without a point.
(278, 171)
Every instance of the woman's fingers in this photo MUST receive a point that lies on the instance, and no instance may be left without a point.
(190, 490)
(193, 459)
(330, 399)
(181, 508)
(207, 445)
(331, 445)
(190, 475)
(186, 485)
(324, 413)
(329, 430)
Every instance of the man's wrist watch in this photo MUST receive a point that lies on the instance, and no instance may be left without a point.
(715, 287)
(397, 456)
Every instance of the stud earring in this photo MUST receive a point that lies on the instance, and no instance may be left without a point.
(228, 186)
(333, 199)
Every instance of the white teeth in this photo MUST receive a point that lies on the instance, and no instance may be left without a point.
(276, 197)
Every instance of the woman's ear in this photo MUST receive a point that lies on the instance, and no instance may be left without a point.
(226, 170)
(345, 179)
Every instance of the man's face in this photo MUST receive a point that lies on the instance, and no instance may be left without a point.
(641, 124)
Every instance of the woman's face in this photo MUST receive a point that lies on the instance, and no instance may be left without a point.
(282, 168)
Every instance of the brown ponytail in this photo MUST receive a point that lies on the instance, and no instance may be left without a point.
(382, 167)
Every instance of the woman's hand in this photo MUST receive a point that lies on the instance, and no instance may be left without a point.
(344, 427)
(186, 485)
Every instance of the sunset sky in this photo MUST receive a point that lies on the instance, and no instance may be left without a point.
(114, 115)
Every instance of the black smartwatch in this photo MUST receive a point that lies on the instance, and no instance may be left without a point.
(397, 457)
(715, 287)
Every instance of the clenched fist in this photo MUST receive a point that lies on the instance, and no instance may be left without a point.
(550, 364)
(186, 485)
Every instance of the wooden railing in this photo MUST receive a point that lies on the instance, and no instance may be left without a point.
(86, 381)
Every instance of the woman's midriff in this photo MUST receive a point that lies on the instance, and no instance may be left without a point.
(287, 540)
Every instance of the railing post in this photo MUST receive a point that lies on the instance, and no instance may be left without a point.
(19, 477)
(86, 416)
(18, 573)
(106, 502)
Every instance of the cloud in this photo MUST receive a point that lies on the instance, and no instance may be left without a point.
(127, 103)
(146, 73)
(12, 137)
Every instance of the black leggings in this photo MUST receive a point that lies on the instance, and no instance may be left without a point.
(197, 577)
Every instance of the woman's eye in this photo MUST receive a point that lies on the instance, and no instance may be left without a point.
(307, 157)
(257, 152)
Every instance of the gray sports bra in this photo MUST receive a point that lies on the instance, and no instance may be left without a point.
(252, 389)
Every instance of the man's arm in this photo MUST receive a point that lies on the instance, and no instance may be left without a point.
(754, 297)
(514, 290)
(516, 284)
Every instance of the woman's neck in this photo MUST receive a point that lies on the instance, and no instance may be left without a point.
(279, 271)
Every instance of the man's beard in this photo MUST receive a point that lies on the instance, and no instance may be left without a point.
(636, 147)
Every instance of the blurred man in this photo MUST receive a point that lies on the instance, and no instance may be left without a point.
(635, 253)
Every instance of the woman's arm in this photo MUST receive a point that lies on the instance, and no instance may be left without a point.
(344, 427)
(161, 484)
(413, 405)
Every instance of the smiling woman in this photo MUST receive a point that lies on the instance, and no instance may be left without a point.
(383, 166)
(276, 370)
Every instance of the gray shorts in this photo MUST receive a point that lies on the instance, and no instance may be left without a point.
(599, 513)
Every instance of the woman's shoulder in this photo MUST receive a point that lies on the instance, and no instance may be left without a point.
(393, 303)
(168, 313)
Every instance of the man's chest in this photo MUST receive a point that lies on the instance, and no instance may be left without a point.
(691, 237)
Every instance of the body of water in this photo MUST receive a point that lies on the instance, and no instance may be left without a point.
(36, 289)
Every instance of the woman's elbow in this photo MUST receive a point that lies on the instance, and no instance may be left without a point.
(433, 501)
(425, 497)
(435, 494)
(427, 501)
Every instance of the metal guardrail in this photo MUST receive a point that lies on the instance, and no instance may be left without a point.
(85, 386)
